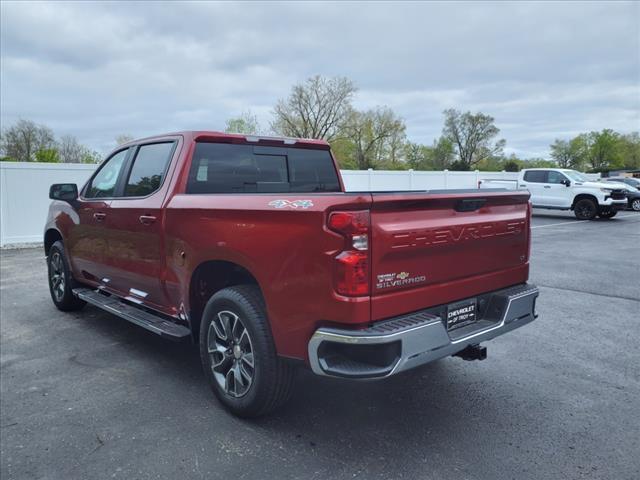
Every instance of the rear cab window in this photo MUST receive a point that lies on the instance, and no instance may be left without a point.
(234, 168)
(535, 176)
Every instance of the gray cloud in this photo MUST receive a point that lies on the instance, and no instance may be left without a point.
(543, 70)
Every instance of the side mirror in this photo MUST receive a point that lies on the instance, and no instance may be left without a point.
(566, 183)
(67, 192)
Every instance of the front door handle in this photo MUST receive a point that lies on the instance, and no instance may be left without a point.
(99, 216)
(547, 186)
(147, 219)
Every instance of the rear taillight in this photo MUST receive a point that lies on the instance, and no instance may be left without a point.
(352, 264)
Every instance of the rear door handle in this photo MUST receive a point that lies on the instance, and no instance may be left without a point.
(547, 186)
(99, 216)
(147, 219)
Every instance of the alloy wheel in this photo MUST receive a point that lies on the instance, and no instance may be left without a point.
(231, 353)
(585, 210)
(635, 205)
(56, 276)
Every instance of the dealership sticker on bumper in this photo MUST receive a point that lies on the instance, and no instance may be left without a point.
(461, 313)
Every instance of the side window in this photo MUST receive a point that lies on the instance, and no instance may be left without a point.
(148, 170)
(555, 177)
(535, 176)
(312, 171)
(104, 183)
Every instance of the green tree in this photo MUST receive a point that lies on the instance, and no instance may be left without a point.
(316, 108)
(443, 153)
(604, 150)
(369, 132)
(630, 150)
(473, 136)
(90, 156)
(246, 123)
(561, 153)
(24, 139)
(460, 166)
(538, 163)
(418, 157)
(511, 166)
(47, 155)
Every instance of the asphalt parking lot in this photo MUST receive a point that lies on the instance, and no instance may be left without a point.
(87, 395)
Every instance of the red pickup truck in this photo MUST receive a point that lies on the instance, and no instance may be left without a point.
(251, 247)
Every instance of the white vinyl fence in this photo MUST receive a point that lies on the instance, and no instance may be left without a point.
(386, 180)
(24, 190)
(24, 197)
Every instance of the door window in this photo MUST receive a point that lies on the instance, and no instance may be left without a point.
(148, 170)
(103, 184)
(535, 176)
(555, 177)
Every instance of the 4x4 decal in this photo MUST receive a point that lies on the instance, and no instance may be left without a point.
(291, 203)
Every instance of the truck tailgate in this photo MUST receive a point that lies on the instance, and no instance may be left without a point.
(438, 247)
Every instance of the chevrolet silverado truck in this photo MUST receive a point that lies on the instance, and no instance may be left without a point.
(251, 248)
(564, 189)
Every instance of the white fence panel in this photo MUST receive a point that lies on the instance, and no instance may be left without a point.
(24, 190)
(24, 196)
(386, 180)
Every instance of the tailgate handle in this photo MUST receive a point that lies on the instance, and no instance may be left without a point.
(469, 204)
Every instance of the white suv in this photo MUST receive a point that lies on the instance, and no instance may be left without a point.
(563, 189)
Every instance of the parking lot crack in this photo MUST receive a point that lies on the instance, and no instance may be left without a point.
(608, 295)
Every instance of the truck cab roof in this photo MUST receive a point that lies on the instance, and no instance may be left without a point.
(224, 137)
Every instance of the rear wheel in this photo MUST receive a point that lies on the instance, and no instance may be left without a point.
(238, 354)
(60, 281)
(607, 213)
(585, 209)
(635, 205)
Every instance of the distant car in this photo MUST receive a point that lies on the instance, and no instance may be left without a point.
(634, 182)
(564, 189)
(632, 190)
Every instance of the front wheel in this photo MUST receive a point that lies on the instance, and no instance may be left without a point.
(60, 281)
(238, 353)
(607, 213)
(585, 209)
(635, 205)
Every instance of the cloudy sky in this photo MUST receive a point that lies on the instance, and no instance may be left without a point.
(543, 70)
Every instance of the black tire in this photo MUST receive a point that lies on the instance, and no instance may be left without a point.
(585, 209)
(267, 384)
(60, 280)
(635, 205)
(607, 213)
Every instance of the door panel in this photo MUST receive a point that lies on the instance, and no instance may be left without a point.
(89, 237)
(87, 240)
(534, 182)
(135, 254)
(559, 194)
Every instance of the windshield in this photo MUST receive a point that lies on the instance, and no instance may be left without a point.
(575, 176)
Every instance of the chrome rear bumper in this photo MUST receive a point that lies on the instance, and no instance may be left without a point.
(411, 340)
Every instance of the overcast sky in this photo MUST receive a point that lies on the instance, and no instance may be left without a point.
(543, 70)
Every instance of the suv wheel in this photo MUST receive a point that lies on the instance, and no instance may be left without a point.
(607, 213)
(585, 209)
(238, 354)
(635, 205)
(60, 281)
